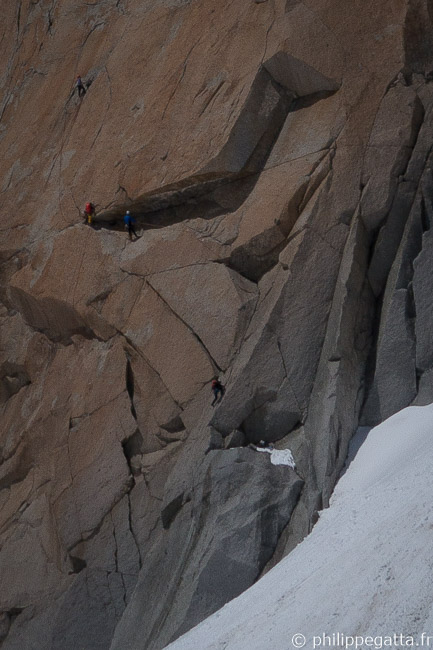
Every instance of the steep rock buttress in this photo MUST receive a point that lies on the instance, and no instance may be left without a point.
(277, 157)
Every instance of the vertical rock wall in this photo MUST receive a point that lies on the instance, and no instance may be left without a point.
(277, 157)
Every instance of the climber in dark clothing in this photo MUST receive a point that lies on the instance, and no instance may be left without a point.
(80, 87)
(218, 391)
(262, 444)
(129, 221)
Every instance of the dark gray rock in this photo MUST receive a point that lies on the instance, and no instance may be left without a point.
(255, 130)
(215, 547)
(402, 351)
(390, 235)
(391, 142)
(423, 296)
(216, 440)
(335, 399)
(276, 417)
(274, 373)
(235, 439)
(394, 383)
(425, 389)
(85, 616)
(297, 76)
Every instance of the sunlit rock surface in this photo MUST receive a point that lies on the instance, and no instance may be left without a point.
(277, 158)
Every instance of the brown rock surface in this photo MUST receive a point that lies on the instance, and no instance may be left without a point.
(277, 158)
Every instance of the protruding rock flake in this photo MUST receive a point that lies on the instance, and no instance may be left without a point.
(277, 158)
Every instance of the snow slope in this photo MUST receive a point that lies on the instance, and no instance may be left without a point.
(366, 568)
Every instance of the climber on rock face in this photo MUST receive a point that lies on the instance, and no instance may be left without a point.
(129, 221)
(89, 212)
(218, 391)
(262, 444)
(80, 87)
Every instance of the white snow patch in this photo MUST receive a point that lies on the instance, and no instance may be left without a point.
(279, 456)
(366, 567)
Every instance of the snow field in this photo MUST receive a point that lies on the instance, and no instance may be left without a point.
(367, 567)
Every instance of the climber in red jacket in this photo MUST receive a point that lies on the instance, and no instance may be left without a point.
(89, 212)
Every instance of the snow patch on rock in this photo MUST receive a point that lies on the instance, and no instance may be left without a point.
(280, 456)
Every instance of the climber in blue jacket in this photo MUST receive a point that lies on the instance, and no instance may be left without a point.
(129, 221)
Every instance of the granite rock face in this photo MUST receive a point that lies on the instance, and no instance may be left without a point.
(213, 544)
(277, 158)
